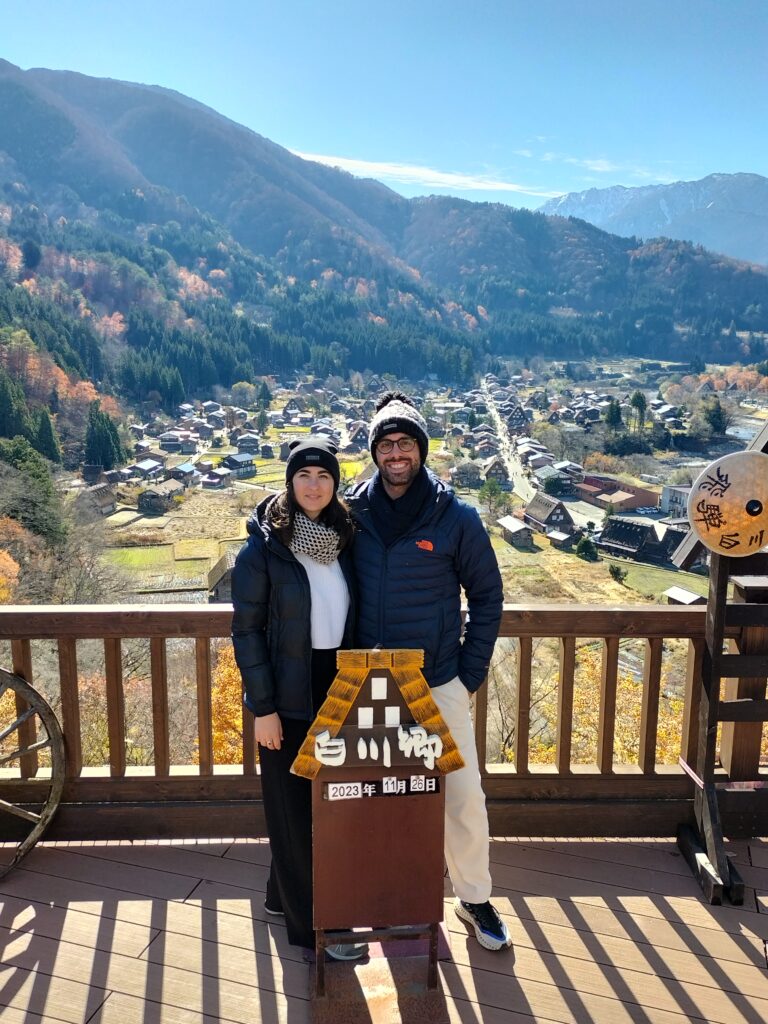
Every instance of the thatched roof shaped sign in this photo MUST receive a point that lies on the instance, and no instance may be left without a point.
(379, 709)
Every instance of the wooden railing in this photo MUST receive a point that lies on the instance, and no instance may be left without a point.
(119, 800)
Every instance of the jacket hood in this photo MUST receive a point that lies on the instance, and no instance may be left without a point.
(257, 521)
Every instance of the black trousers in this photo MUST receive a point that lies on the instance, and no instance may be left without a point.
(288, 811)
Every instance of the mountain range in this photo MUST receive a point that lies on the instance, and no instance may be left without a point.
(184, 245)
(727, 213)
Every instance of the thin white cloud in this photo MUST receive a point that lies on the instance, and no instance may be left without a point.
(598, 165)
(425, 177)
(601, 165)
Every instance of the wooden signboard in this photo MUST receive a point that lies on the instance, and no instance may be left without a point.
(376, 754)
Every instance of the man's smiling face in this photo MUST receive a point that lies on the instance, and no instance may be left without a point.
(398, 468)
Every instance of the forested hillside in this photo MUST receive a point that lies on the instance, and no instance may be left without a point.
(149, 246)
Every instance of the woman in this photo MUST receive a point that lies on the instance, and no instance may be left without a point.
(292, 596)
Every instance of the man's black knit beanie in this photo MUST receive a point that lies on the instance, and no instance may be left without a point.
(396, 414)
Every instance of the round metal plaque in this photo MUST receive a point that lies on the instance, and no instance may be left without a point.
(728, 504)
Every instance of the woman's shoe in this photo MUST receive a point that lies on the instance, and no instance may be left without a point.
(349, 951)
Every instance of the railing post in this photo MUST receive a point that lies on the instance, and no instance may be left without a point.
(523, 705)
(113, 666)
(690, 737)
(740, 741)
(204, 709)
(21, 656)
(565, 704)
(159, 669)
(649, 718)
(606, 729)
(70, 707)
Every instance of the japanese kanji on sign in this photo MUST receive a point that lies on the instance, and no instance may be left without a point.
(728, 504)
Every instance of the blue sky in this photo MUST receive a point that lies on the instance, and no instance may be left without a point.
(492, 100)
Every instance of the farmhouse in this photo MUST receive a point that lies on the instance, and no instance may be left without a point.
(495, 469)
(99, 499)
(515, 532)
(156, 500)
(220, 577)
(545, 513)
(241, 464)
(645, 542)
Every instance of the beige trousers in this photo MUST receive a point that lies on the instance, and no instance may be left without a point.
(466, 819)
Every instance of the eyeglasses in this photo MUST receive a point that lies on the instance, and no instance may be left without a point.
(405, 444)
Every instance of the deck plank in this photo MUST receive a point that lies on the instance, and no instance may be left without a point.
(35, 990)
(22, 917)
(182, 861)
(142, 881)
(567, 952)
(123, 1009)
(14, 1015)
(192, 990)
(663, 856)
(565, 862)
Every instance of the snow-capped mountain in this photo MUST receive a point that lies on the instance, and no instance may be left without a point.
(727, 213)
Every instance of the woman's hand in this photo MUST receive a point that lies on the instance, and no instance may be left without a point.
(268, 731)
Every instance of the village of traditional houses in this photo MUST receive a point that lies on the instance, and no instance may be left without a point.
(532, 451)
(581, 476)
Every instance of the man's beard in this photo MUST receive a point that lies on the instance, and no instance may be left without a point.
(400, 479)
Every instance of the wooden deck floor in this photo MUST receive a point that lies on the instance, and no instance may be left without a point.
(606, 931)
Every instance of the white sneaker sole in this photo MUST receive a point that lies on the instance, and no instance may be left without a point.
(356, 952)
(485, 940)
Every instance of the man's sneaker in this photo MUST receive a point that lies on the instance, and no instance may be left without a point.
(351, 951)
(273, 911)
(490, 930)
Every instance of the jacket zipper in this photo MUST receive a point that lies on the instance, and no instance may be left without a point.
(290, 557)
(382, 589)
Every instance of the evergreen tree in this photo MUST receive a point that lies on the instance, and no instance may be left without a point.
(102, 443)
(613, 415)
(265, 395)
(587, 549)
(639, 403)
(46, 441)
(27, 493)
(14, 415)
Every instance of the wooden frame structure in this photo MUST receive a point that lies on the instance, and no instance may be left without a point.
(743, 711)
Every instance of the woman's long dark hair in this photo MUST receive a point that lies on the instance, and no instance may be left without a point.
(335, 515)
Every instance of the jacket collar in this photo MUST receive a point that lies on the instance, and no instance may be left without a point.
(359, 501)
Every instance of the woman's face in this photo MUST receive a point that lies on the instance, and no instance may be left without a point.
(313, 489)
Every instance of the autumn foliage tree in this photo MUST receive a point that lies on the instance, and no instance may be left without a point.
(227, 708)
(542, 740)
(9, 575)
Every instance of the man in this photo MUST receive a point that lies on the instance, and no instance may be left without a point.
(417, 546)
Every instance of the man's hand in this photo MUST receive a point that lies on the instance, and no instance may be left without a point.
(268, 731)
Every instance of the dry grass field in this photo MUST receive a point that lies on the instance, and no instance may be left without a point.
(546, 574)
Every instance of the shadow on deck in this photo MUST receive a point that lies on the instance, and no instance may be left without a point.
(604, 931)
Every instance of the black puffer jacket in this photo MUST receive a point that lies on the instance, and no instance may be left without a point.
(271, 625)
(410, 591)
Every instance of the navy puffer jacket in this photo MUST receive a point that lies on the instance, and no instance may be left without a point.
(409, 593)
(271, 624)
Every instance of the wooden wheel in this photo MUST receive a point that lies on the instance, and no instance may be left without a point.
(39, 720)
